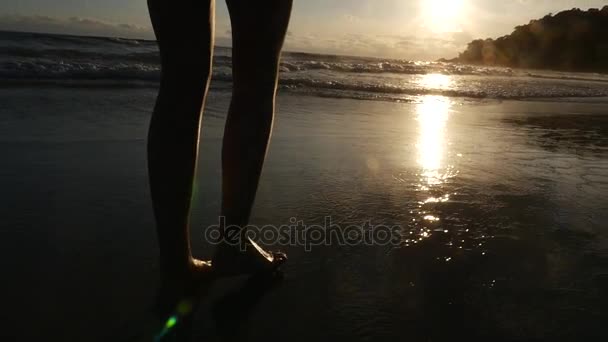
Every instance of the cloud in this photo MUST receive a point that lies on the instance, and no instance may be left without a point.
(413, 46)
(382, 45)
(73, 25)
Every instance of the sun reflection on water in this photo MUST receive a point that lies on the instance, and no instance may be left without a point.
(435, 81)
(432, 116)
(439, 219)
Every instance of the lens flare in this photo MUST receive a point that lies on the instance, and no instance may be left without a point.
(183, 309)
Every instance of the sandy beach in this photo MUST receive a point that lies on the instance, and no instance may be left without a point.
(501, 205)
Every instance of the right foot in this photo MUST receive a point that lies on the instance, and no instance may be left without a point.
(233, 261)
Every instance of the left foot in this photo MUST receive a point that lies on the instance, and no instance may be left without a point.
(179, 290)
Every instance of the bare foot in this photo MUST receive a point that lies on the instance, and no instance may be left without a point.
(179, 291)
(233, 261)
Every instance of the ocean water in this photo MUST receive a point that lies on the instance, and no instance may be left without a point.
(495, 177)
(33, 58)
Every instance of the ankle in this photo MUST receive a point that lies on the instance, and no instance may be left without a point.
(171, 269)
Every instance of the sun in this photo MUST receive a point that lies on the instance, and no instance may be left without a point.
(442, 15)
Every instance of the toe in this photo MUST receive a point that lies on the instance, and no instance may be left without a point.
(278, 258)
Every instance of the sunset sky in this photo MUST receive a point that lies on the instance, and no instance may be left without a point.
(410, 29)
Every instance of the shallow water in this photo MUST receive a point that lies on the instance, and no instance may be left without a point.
(501, 207)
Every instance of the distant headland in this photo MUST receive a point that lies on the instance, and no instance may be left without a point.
(572, 40)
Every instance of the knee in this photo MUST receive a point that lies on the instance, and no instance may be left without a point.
(255, 80)
(255, 96)
(193, 80)
(185, 68)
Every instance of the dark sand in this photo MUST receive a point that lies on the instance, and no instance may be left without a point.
(523, 256)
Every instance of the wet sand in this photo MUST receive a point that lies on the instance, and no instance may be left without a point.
(501, 205)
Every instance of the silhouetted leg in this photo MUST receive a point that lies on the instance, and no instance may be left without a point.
(184, 30)
(258, 32)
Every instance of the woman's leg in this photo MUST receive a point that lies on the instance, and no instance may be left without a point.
(258, 31)
(184, 30)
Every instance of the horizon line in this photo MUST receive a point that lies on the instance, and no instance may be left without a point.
(215, 45)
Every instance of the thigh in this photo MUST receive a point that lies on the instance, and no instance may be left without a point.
(184, 31)
(258, 31)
